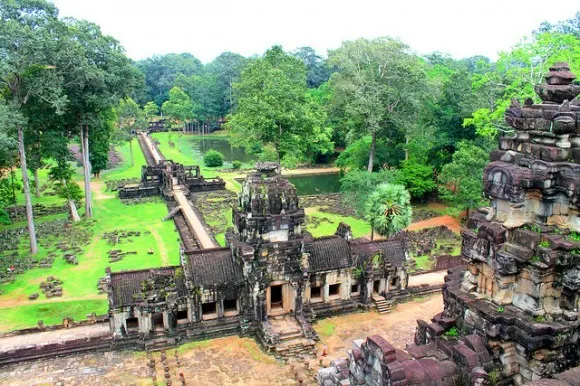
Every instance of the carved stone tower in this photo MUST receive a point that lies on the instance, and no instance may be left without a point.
(521, 289)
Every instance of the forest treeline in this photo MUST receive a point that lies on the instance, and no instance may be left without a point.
(375, 107)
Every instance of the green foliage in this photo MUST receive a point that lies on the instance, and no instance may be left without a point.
(545, 244)
(539, 318)
(356, 185)
(213, 158)
(379, 85)
(274, 109)
(462, 179)
(356, 155)
(236, 165)
(4, 217)
(575, 236)
(161, 71)
(388, 209)
(179, 105)
(494, 376)
(452, 332)
(8, 188)
(417, 178)
(500, 309)
(151, 110)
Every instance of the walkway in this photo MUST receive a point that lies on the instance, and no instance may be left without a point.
(57, 336)
(202, 236)
(204, 239)
(450, 222)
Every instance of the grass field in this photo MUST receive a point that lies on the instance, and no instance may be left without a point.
(80, 295)
(328, 222)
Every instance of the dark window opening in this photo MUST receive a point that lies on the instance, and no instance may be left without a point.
(181, 316)
(334, 290)
(157, 321)
(276, 296)
(209, 309)
(132, 324)
(376, 286)
(354, 289)
(315, 292)
(393, 282)
(230, 305)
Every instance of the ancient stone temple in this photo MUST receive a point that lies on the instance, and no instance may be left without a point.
(271, 281)
(513, 316)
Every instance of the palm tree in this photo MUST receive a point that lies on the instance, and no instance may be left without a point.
(388, 209)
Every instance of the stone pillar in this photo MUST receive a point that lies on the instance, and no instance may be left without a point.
(166, 324)
(325, 295)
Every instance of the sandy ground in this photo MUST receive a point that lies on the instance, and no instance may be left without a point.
(225, 361)
(450, 222)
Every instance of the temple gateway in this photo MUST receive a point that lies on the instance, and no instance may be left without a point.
(271, 280)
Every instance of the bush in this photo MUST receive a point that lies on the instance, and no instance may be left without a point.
(236, 165)
(4, 217)
(213, 158)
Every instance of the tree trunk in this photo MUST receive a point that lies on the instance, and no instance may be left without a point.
(28, 199)
(74, 213)
(131, 151)
(406, 148)
(36, 183)
(372, 233)
(372, 152)
(13, 185)
(86, 169)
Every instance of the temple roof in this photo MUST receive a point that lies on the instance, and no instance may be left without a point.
(126, 285)
(394, 250)
(213, 267)
(329, 253)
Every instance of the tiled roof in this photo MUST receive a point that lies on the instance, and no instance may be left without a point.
(329, 253)
(126, 284)
(394, 250)
(212, 267)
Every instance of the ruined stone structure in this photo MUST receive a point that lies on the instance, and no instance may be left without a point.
(513, 315)
(271, 281)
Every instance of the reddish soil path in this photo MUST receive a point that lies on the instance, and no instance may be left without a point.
(450, 222)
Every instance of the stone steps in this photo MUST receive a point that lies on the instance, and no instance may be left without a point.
(383, 305)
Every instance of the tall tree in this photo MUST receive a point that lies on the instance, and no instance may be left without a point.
(161, 71)
(130, 118)
(388, 209)
(150, 109)
(317, 70)
(30, 43)
(273, 108)
(462, 179)
(101, 75)
(179, 106)
(379, 84)
(226, 70)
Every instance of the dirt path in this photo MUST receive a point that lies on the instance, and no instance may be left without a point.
(98, 187)
(161, 245)
(309, 171)
(450, 222)
(19, 301)
(398, 326)
(57, 336)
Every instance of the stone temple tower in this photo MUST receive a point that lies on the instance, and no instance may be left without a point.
(521, 289)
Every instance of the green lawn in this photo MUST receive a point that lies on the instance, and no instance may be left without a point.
(125, 170)
(328, 222)
(80, 295)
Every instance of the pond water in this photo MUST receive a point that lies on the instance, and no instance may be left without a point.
(316, 184)
(223, 146)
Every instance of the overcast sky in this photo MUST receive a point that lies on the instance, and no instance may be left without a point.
(207, 28)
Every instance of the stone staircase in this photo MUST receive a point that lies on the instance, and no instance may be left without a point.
(383, 305)
(172, 213)
(292, 340)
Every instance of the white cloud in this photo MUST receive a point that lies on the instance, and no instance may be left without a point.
(207, 28)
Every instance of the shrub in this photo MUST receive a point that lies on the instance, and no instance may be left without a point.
(4, 217)
(213, 158)
(236, 164)
(545, 244)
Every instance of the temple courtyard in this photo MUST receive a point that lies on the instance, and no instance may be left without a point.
(225, 361)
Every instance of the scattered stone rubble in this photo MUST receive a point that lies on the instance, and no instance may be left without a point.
(52, 287)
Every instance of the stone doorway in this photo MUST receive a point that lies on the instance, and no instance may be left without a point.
(157, 322)
(278, 299)
(376, 286)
